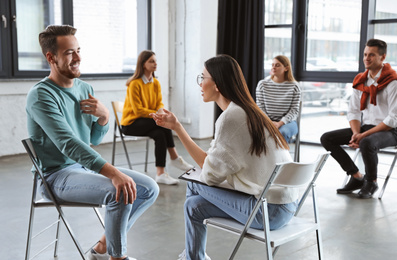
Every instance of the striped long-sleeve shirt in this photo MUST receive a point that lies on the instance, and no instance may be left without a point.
(279, 101)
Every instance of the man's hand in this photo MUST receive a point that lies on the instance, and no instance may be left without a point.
(121, 182)
(94, 107)
(355, 140)
(125, 184)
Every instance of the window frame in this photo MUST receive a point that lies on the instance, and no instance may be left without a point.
(9, 48)
(299, 42)
(300, 47)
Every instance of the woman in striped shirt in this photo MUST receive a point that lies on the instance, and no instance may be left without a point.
(279, 95)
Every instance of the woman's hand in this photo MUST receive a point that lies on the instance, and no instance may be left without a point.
(166, 119)
(278, 124)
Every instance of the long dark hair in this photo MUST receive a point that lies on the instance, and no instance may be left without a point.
(230, 82)
(139, 70)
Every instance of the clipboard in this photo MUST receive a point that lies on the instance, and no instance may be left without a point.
(193, 175)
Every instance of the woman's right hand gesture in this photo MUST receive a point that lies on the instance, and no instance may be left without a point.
(166, 119)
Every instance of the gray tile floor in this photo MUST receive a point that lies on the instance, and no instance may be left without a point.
(351, 228)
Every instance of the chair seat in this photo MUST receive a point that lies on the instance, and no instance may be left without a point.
(295, 228)
(136, 138)
(44, 202)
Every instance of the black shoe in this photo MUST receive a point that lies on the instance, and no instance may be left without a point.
(352, 185)
(369, 188)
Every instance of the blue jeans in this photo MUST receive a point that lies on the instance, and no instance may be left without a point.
(289, 130)
(203, 202)
(369, 147)
(78, 184)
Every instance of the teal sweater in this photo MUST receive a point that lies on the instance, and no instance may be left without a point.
(60, 132)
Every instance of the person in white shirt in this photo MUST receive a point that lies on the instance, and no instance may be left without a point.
(372, 115)
(244, 151)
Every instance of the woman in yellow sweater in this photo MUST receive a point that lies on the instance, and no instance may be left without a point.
(144, 97)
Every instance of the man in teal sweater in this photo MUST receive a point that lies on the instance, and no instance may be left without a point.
(64, 118)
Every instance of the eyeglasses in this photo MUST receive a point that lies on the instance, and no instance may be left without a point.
(200, 78)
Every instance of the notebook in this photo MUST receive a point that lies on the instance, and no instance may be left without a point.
(193, 175)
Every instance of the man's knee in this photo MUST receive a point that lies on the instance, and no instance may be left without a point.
(152, 191)
(367, 144)
(325, 139)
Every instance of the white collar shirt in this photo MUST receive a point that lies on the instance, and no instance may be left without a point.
(146, 80)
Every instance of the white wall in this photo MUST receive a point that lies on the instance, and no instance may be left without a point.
(193, 40)
(184, 36)
(13, 116)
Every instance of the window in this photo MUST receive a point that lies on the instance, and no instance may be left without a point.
(107, 34)
(278, 30)
(325, 40)
(333, 35)
(384, 26)
(28, 27)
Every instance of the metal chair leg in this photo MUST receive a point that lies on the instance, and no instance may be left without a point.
(69, 229)
(318, 231)
(114, 143)
(126, 152)
(29, 238)
(147, 154)
(57, 236)
(387, 177)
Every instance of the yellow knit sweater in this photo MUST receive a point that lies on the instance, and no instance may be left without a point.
(141, 100)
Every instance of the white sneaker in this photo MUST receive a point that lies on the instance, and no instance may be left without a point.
(166, 179)
(181, 164)
(93, 255)
(182, 256)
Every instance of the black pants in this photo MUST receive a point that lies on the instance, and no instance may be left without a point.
(369, 147)
(163, 138)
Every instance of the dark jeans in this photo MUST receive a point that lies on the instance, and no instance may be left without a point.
(163, 138)
(369, 147)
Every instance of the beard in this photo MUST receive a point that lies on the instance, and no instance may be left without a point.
(67, 72)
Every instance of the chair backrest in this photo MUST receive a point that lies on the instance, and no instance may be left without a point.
(117, 108)
(27, 143)
(296, 174)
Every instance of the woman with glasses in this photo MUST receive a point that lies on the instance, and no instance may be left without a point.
(144, 97)
(244, 152)
(279, 95)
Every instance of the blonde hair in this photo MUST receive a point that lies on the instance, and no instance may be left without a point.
(288, 76)
(139, 70)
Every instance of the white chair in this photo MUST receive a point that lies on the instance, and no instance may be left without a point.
(37, 202)
(355, 156)
(117, 133)
(290, 174)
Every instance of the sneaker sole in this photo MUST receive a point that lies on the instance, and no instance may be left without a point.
(345, 192)
(165, 183)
